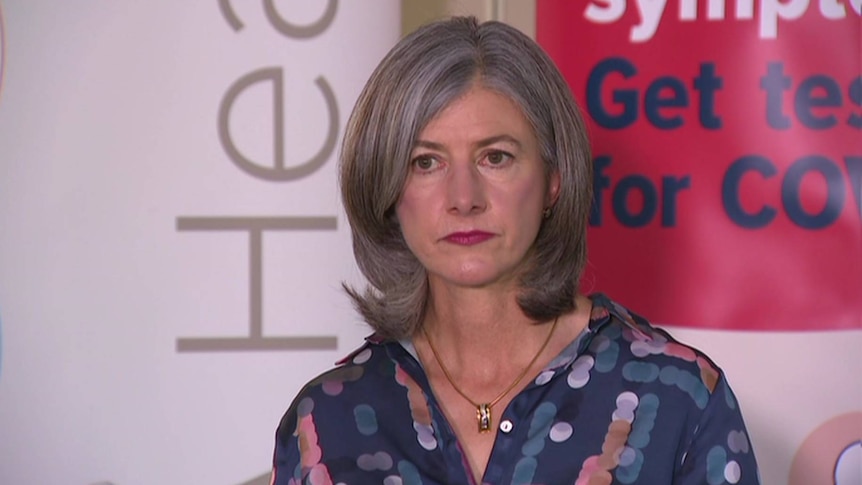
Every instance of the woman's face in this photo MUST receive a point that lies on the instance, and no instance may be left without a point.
(473, 200)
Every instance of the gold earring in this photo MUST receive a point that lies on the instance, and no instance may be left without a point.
(546, 213)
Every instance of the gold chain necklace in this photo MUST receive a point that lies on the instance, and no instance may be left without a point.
(483, 411)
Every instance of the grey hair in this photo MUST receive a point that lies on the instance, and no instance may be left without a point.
(420, 76)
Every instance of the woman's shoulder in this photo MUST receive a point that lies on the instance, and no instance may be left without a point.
(647, 353)
(364, 375)
(674, 387)
(352, 368)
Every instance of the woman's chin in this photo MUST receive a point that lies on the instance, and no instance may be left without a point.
(474, 276)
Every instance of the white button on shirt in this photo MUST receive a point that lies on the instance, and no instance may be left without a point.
(506, 426)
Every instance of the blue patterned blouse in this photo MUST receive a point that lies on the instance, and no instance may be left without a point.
(623, 403)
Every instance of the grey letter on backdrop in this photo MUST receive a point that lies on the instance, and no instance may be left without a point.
(280, 24)
(255, 226)
(300, 31)
(279, 172)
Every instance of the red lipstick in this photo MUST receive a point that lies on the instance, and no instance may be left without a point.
(468, 238)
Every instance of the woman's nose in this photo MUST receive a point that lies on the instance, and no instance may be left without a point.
(465, 189)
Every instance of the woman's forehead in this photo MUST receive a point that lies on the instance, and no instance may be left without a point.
(481, 113)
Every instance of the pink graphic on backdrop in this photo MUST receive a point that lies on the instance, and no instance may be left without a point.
(727, 144)
(832, 453)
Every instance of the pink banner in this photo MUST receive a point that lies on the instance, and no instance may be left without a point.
(727, 142)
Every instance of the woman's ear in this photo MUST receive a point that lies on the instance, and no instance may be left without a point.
(553, 188)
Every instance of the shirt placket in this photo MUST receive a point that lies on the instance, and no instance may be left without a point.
(458, 470)
(516, 444)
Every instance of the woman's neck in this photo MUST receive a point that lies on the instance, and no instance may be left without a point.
(472, 328)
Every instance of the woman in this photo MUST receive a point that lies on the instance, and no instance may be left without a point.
(466, 177)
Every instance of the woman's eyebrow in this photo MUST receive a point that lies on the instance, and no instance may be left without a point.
(498, 138)
(481, 143)
(428, 144)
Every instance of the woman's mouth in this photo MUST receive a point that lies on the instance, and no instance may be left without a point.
(468, 238)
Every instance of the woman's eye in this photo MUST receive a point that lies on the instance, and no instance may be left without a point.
(497, 158)
(424, 163)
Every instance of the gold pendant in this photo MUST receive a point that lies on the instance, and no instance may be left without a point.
(483, 413)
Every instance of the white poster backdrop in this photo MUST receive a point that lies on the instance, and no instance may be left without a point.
(171, 239)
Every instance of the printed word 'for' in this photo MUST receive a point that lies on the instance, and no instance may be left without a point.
(636, 201)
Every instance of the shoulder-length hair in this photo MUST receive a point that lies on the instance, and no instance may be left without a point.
(419, 77)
